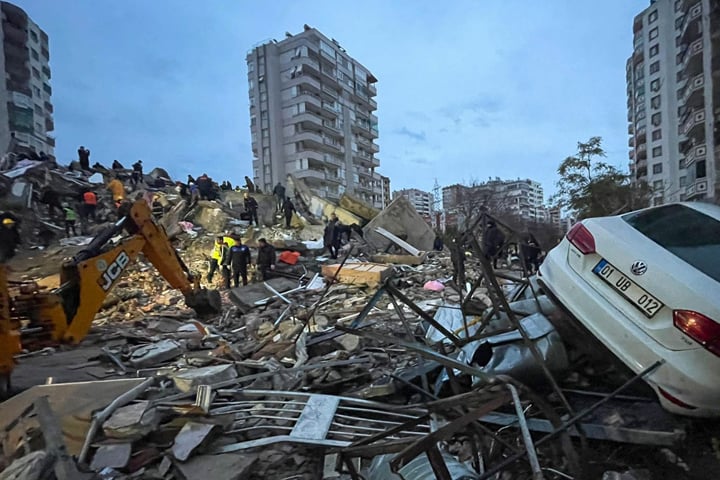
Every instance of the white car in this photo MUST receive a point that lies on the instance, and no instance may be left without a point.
(647, 285)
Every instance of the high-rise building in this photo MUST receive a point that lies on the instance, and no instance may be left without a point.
(524, 197)
(674, 100)
(385, 197)
(422, 201)
(311, 115)
(25, 109)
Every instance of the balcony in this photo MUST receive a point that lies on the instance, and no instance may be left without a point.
(332, 144)
(46, 71)
(310, 173)
(49, 124)
(307, 136)
(372, 88)
(308, 121)
(331, 107)
(15, 15)
(631, 129)
(641, 135)
(631, 142)
(331, 92)
(631, 154)
(697, 189)
(698, 153)
(638, 55)
(692, 59)
(50, 140)
(637, 24)
(49, 107)
(693, 94)
(14, 34)
(309, 99)
(307, 82)
(692, 25)
(693, 120)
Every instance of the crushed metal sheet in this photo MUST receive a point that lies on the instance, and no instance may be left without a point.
(115, 455)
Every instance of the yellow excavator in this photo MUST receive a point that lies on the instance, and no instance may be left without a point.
(31, 318)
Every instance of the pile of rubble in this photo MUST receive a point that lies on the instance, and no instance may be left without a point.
(376, 363)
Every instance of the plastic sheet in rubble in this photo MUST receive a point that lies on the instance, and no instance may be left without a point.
(507, 353)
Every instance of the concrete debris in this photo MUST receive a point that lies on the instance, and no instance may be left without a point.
(392, 361)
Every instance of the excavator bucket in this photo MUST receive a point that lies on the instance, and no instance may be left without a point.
(205, 302)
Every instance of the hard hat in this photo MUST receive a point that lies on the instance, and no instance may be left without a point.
(8, 221)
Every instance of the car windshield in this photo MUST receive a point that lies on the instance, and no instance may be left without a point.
(685, 232)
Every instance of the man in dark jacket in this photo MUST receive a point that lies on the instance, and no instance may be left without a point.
(265, 259)
(239, 261)
(493, 240)
(137, 173)
(530, 250)
(329, 236)
(251, 207)
(84, 158)
(288, 209)
(9, 235)
(279, 192)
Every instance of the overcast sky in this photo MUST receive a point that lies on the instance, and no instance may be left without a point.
(466, 89)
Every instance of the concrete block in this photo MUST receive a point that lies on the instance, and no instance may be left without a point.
(245, 297)
(401, 219)
(189, 380)
(371, 274)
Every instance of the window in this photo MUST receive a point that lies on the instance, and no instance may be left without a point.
(35, 54)
(653, 16)
(657, 151)
(655, 101)
(679, 22)
(654, 67)
(668, 226)
(655, 85)
(679, 77)
(657, 134)
(265, 133)
(38, 110)
(683, 181)
(657, 168)
(657, 185)
(266, 152)
(681, 163)
(264, 115)
(700, 171)
(251, 84)
(679, 58)
(263, 97)
(34, 36)
(656, 119)
(253, 120)
(654, 50)
(36, 73)
(38, 127)
(251, 67)
(653, 33)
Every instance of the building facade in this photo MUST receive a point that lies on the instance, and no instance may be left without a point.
(386, 198)
(524, 197)
(422, 201)
(312, 115)
(26, 110)
(673, 94)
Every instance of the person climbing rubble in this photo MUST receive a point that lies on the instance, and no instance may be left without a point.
(205, 187)
(84, 158)
(251, 207)
(9, 235)
(137, 174)
(493, 240)
(288, 209)
(279, 192)
(70, 219)
(240, 258)
(329, 235)
(117, 165)
(266, 259)
(89, 206)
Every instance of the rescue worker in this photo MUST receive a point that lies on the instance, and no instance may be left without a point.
(9, 235)
(251, 207)
(137, 173)
(530, 250)
(89, 206)
(329, 236)
(288, 209)
(228, 243)
(266, 259)
(84, 158)
(205, 186)
(239, 260)
(279, 192)
(117, 189)
(70, 219)
(215, 257)
(493, 240)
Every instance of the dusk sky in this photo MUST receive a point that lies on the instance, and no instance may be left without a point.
(466, 89)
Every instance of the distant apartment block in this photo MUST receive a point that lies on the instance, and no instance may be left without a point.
(673, 102)
(422, 201)
(26, 111)
(386, 198)
(312, 115)
(524, 197)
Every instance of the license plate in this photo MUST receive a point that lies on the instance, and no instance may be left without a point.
(632, 292)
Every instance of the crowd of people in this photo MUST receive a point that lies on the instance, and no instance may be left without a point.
(233, 259)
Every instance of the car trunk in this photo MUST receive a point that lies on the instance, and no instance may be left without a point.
(672, 281)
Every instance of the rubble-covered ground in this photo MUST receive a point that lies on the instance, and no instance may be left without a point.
(332, 369)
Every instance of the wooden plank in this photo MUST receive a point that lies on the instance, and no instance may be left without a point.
(359, 273)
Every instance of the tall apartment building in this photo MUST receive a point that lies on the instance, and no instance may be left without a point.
(385, 196)
(311, 115)
(673, 100)
(524, 197)
(25, 107)
(422, 201)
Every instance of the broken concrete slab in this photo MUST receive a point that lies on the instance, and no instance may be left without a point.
(371, 274)
(115, 455)
(33, 466)
(228, 466)
(210, 216)
(189, 380)
(401, 219)
(131, 421)
(358, 207)
(399, 259)
(190, 437)
(245, 297)
(156, 353)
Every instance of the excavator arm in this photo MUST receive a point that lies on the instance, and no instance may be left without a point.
(87, 279)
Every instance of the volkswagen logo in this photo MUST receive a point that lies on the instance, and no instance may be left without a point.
(638, 267)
